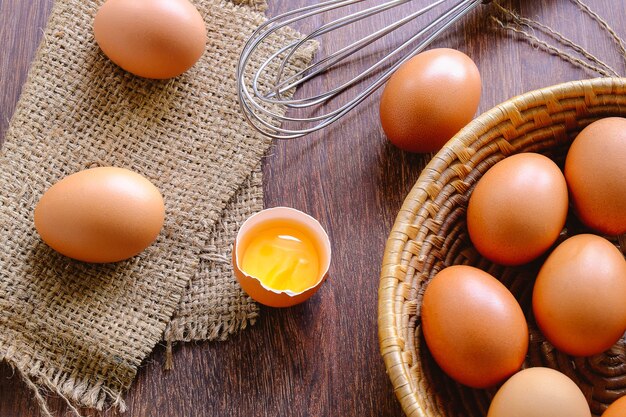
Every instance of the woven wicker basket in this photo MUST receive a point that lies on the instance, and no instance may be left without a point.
(430, 233)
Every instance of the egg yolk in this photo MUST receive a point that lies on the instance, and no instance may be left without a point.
(282, 258)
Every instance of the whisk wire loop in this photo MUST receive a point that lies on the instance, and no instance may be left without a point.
(265, 107)
(323, 64)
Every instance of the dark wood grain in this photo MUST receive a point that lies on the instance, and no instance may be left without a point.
(320, 358)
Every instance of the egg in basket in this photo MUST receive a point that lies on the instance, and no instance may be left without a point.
(430, 234)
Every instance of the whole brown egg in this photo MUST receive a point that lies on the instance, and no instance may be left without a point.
(429, 99)
(539, 392)
(473, 326)
(104, 214)
(595, 170)
(517, 209)
(151, 38)
(579, 293)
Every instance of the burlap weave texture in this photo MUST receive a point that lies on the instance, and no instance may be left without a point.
(82, 330)
(214, 305)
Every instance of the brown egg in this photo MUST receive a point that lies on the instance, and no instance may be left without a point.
(617, 409)
(517, 209)
(539, 392)
(595, 170)
(473, 326)
(429, 99)
(579, 296)
(100, 215)
(151, 38)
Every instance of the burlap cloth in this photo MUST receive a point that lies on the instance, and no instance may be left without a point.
(81, 330)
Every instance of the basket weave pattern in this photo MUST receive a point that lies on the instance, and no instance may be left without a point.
(430, 233)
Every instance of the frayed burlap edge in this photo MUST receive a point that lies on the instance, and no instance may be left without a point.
(43, 381)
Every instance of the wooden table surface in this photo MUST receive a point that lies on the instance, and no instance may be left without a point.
(320, 358)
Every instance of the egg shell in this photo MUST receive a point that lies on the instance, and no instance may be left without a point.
(256, 289)
(539, 392)
(616, 409)
(473, 326)
(429, 99)
(579, 296)
(595, 170)
(518, 209)
(99, 215)
(151, 38)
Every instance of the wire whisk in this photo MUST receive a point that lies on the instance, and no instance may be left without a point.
(269, 108)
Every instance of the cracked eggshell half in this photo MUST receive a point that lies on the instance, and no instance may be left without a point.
(264, 220)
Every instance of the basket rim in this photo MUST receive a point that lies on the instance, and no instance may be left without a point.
(391, 343)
